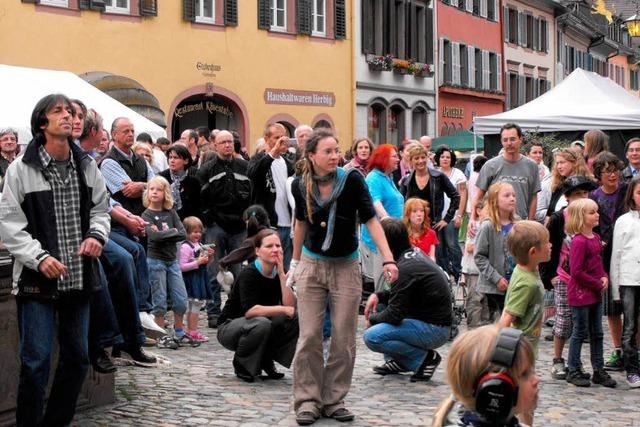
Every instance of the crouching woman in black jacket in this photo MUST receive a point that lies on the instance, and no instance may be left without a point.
(417, 317)
(258, 321)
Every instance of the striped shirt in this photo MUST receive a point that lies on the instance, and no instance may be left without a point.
(66, 202)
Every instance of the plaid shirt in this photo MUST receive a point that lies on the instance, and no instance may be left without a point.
(66, 201)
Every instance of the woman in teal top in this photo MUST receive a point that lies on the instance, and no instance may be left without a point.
(387, 201)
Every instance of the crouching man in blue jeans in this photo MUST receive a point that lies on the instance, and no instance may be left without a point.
(417, 316)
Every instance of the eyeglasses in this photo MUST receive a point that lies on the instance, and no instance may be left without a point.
(610, 172)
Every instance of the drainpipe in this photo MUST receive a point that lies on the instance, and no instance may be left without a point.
(436, 66)
(353, 71)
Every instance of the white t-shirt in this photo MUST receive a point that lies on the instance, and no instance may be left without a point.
(457, 177)
(279, 175)
(159, 162)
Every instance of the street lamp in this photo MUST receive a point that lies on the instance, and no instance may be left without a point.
(633, 25)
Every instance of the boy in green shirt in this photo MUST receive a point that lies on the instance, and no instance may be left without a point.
(528, 242)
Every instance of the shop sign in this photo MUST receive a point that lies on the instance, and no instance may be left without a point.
(299, 97)
(453, 112)
(208, 69)
(208, 106)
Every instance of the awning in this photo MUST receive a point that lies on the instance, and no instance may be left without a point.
(461, 141)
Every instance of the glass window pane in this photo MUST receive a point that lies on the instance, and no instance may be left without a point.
(281, 4)
(320, 24)
(320, 7)
(123, 3)
(280, 19)
(208, 8)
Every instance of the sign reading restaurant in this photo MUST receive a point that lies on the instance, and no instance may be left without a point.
(299, 97)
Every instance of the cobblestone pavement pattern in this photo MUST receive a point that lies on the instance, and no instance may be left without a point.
(200, 388)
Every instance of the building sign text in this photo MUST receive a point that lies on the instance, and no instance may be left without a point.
(299, 97)
(208, 106)
(453, 112)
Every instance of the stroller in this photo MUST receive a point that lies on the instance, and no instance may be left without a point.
(458, 298)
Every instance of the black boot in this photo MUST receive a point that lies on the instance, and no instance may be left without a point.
(269, 368)
(102, 363)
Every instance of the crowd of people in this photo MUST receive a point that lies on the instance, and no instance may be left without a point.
(110, 231)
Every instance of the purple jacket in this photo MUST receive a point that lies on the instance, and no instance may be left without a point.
(586, 269)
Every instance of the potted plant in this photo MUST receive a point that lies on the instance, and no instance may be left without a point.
(401, 66)
(422, 70)
(379, 63)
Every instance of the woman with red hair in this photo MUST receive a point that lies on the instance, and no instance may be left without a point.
(387, 201)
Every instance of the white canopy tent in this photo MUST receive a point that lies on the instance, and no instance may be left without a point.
(582, 101)
(22, 88)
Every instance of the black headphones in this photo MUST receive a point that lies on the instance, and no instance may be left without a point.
(496, 393)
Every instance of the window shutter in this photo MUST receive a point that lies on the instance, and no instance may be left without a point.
(189, 10)
(536, 88)
(366, 27)
(521, 90)
(304, 17)
(149, 7)
(486, 72)
(499, 73)
(82, 4)
(455, 63)
(264, 15)
(521, 37)
(231, 12)
(505, 23)
(340, 26)
(471, 60)
(430, 33)
(483, 8)
(468, 5)
(441, 61)
(548, 86)
(536, 34)
(496, 9)
(507, 90)
(454, 3)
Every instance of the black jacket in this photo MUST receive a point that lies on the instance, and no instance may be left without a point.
(225, 193)
(421, 293)
(548, 270)
(439, 185)
(264, 190)
(189, 193)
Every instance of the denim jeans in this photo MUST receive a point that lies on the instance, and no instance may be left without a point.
(287, 245)
(448, 252)
(587, 323)
(166, 278)
(225, 243)
(630, 296)
(407, 343)
(37, 328)
(104, 330)
(141, 270)
(120, 269)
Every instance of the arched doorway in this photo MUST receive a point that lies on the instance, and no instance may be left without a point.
(213, 111)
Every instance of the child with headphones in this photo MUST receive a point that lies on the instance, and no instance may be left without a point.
(492, 375)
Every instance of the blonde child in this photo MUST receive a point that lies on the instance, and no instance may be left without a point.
(584, 292)
(473, 362)
(625, 281)
(193, 262)
(416, 219)
(476, 305)
(491, 255)
(164, 231)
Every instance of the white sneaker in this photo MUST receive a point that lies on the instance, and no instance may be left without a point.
(151, 328)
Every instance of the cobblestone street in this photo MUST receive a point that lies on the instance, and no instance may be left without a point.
(200, 388)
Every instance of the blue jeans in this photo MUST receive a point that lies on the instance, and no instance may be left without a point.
(225, 243)
(408, 343)
(448, 252)
(142, 285)
(287, 245)
(37, 328)
(104, 328)
(120, 269)
(166, 277)
(587, 322)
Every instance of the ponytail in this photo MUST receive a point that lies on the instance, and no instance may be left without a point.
(307, 178)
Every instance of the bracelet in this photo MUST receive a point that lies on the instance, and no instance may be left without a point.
(389, 262)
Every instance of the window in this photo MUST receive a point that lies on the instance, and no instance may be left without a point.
(377, 123)
(279, 15)
(419, 122)
(401, 28)
(528, 89)
(493, 71)
(633, 79)
(205, 11)
(117, 6)
(58, 3)
(491, 10)
(529, 31)
(513, 90)
(513, 26)
(319, 15)
(476, 7)
(542, 86)
(447, 62)
(464, 66)
(544, 36)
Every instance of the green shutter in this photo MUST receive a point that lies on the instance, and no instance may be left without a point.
(231, 12)
(189, 10)
(149, 7)
(304, 17)
(340, 23)
(264, 14)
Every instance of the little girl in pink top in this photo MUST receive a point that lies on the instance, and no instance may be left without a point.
(193, 264)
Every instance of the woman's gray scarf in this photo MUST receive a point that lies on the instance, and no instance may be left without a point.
(339, 179)
(176, 179)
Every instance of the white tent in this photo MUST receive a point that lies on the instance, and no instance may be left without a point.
(22, 88)
(582, 101)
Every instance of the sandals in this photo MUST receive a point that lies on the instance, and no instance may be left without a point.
(186, 340)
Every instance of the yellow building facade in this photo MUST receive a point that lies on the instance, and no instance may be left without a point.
(288, 61)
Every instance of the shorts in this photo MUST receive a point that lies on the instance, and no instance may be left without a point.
(611, 307)
(563, 327)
